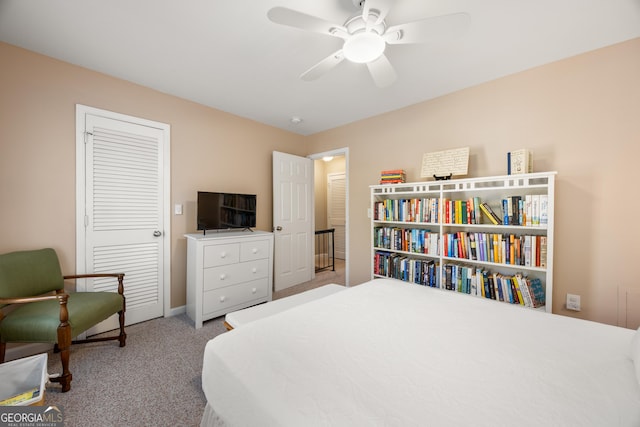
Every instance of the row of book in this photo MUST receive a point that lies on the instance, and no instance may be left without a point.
(530, 210)
(473, 280)
(395, 176)
(513, 289)
(513, 249)
(408, 240)
(407, 210)
(398, 266)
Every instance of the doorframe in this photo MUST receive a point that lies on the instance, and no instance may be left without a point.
(81, 112)
(340, 152)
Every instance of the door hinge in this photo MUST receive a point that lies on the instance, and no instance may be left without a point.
(86, 137)
(86, 221)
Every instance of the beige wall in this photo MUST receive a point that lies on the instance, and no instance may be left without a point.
(579, 116)
(210, 150)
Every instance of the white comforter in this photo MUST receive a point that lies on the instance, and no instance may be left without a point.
(388, 353)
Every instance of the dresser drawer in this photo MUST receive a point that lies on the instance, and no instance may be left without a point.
(258, 249)
(220, 300)
(221, 254)
(229, 275)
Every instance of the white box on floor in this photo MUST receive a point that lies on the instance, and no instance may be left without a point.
(241, 317)
(23, 381)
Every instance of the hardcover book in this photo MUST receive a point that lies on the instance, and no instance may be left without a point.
(519, 162)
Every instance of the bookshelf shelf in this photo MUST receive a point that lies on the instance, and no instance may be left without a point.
(435, 234)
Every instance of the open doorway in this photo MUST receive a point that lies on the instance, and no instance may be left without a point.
(337, 170)
(331, 210)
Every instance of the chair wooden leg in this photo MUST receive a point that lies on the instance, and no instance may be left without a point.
(64, 345)
(123, 336)
(3, 349)
(65, 378)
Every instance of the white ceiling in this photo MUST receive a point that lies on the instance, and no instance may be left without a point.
(226, 54)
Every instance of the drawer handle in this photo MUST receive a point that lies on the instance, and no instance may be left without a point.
(253, 290)
(223, 254)
(254, 270)
(254, 250)
(222, 298)
(223, 276)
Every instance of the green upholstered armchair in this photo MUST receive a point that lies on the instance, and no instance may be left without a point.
(32, 282)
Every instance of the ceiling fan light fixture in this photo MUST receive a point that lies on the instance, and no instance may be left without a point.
(363, 47)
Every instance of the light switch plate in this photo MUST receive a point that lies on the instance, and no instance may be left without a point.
(573, 302)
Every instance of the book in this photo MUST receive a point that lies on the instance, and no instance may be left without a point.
(543, 251)
(524, 289)
(527, 210)
(520, 161)
(514, 218)
(537, 291)
(394, 176)
(21, 397)
(516, 285)
(490, 214)
(505, 211)
(544, 209)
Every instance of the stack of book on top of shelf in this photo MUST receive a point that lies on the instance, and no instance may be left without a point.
(395, 176)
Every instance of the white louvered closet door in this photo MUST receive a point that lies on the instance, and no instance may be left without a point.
(124, 220)
(336, 207)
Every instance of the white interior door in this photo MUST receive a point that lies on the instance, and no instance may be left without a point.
(124, 226)
(292, 220)
(336, 210)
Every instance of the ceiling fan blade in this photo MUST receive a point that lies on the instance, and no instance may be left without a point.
(382, 71)
(429, 29)
(293, 18)
(323, 66)
(381, 6)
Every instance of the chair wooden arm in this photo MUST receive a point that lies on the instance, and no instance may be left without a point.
(120, 277)
(23, 300)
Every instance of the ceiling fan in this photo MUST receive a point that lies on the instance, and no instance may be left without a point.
(366, 35)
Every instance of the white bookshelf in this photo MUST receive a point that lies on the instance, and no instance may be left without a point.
(441, 231)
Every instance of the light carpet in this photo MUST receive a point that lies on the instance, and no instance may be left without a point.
(155, 380)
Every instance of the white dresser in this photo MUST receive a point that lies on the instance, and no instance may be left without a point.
(227, 271)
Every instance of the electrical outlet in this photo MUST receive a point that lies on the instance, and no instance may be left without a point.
(573, 302)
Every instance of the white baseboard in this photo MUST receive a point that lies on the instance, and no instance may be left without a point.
(177, 310)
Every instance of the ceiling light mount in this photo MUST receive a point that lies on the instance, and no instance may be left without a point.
(363, 47)
(364, 43)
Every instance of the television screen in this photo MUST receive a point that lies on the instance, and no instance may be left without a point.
(219, 211)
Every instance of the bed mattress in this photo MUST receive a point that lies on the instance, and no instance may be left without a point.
(389, 353)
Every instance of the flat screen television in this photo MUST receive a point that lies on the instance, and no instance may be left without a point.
(223, 211)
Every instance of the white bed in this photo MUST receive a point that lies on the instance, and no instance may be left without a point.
(389, 353)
